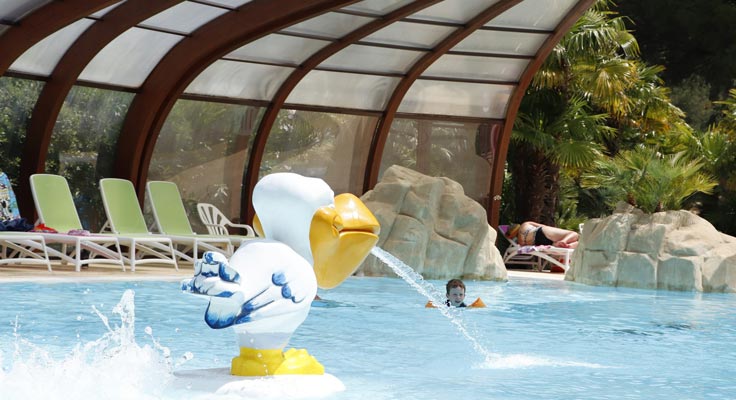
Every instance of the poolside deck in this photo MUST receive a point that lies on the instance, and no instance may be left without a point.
(99, 272)
(103, 272)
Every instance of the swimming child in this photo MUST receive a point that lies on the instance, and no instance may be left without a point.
(455, 293)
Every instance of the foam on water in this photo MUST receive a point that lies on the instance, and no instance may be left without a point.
(513, 361)
(115, 367)
(111, 367)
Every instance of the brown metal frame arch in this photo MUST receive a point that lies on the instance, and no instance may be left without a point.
(188, 59)
(250, 178)
(42, 22)
(499, 161)
(64, 76)
(384, 125)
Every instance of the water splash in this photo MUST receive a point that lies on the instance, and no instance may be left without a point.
(514, 361)
(111, 367)
(432, 294)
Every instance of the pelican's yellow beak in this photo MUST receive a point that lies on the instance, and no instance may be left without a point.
(257, 227)
(341, 238)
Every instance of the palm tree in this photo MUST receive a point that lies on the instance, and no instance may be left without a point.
(649, 180)
(717, 148)
(593, 96)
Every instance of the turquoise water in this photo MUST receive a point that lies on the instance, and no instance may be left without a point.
(545, 340)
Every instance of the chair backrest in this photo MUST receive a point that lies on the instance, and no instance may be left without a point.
(215, 221)
(168, 208)
(54, 202)
(504, 231)
(121, 206)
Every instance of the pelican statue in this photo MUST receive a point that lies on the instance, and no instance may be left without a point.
(309, 238)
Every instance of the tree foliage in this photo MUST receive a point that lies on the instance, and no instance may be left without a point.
(648, 179)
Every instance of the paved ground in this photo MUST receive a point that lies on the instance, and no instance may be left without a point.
(13, 273)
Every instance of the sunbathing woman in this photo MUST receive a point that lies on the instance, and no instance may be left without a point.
(535, 234)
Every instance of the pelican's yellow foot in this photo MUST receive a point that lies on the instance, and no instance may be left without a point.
(299, 362)
(260, 362)
(256, 362)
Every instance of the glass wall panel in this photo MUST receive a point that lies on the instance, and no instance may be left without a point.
(17, 99)
(184, 17)
(279, 49)
(239, 80)
(83, 146)
(43, 56)
(502, 42)
(377, 7)
(373, 59)
(538, 14)
(127, 60)
(454, 11)
(331, 25)
(455, 150)
(230, 3)
(337, 89)
(422, 36)
(203, 147)
(330, 146)
(101, 13)
(474, 67)
(456, 98)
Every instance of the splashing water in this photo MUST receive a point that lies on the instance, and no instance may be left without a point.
(111, 367)
(491, 360)
(430, 291)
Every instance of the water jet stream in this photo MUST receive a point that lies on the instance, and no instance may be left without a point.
(432, 294)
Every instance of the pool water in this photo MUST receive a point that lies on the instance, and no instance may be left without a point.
(537, 339)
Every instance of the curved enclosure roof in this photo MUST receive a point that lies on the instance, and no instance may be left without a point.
(455, 61)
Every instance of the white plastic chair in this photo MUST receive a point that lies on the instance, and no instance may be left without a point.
(217, 223)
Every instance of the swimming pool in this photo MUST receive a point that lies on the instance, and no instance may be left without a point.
(545, 339)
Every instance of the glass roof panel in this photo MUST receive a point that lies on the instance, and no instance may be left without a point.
(373, 59)
(502, 42)
(454, 11)
(230, 3)
(13, 10)
(343, 90)
(538, 14)
(423, 36)
(106, 10)
(279, 49)
(239, 80)
(457, 99)
(377, 7)
(473, 67)
(128, 59)
(184, 17)
(332, 25)
(43, 56)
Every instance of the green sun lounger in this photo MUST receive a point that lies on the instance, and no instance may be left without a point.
(125, 219)
(56, 209)
(172, 221)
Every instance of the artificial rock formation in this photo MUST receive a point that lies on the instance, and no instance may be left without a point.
(672, 250)
(429, 224)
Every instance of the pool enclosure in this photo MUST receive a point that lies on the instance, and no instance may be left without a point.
(213, 94)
